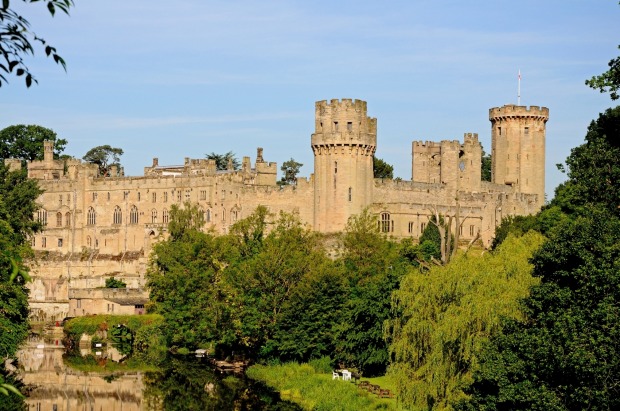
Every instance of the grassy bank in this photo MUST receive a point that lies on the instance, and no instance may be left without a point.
(91, 324)
(313, 390)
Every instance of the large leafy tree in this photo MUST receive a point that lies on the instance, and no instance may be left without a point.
(382, 169)
(25, 142)
(17, 40)
(105, 157)
(224, 161)
(290, 169)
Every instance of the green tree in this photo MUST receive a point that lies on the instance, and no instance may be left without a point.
(486, 166)
(290, 169)
(185, 219)
(105, 157)
(381, 169)
(18, 41)
(26, 142)
(448, 313)
(564, 354)
(224, 161)
(609, 81)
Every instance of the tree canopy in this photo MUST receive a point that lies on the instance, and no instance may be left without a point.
(224, 161)
(17, 40)
(25, 142)
(290, 169)
(381, 169)
(105, 157)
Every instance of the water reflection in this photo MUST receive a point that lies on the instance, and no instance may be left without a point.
(94, 382)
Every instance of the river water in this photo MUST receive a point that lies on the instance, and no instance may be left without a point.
(93, 381)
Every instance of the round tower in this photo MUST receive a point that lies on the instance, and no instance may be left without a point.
(518, 148)
(343, 142)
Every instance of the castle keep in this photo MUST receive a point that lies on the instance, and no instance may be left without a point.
(97, 227)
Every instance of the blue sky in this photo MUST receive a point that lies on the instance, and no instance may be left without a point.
(185, 78)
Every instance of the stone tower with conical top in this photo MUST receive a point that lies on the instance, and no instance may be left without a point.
(344, 142)
(518, 148)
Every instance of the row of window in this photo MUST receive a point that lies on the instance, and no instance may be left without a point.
(386, 225)
(154, 197)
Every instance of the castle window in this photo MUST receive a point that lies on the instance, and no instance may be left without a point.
(165, 196)
(385, 224)
(499, 131)
(321, 126)
(164, 216)
(68, 220)
(138, 196)
(472, 229)
(60, 242)
(461, 230)
(78, 303)
(335, 167)
(349, 126)
(233, 215)
(422, 227)
(223, 215)
(94, 197)
(154, 197)
(43, 242)
(133, 215)
(527, 130)
(91, 217)
(208, 216)
(59, 219)
(88, 241)
(60, 200)
(118, 215)
(203, 194)
(335, 126)
(68, 199)
(187, 195)
(108, 196)
(350, 193)
(42, 217)
(153, 216)
(410, 229)
(33, 241)
(179, 196)
(125, 193)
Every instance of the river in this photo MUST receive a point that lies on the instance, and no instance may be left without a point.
(94, 381)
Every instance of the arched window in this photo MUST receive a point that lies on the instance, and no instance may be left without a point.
(133, 215)
(153, 216)
(164, 216)
(68, 219)
(42, 216)
(208, 216)
(233, 215)
(91, 218)
(223, 215)
(118, 215)
(59, 219)
(386, 225)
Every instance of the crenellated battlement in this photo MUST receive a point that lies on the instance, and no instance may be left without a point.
(511, 111)
(343, 122)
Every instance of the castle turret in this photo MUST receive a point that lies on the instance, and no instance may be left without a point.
(343, 143)
(518, 148)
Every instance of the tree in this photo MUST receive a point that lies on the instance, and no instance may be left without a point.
(448, 313)
(564, 354)
(25, 142)
(105, 157)
(17, 40)
(486, 167)
(226, 161)
(381, 169)
(184, 220)
(290, 169)
(609, 80)
(114, 283)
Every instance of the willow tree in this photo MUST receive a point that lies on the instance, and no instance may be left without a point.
(448, 313)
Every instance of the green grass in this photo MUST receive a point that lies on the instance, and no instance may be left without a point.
(312, 390)
(91, 324)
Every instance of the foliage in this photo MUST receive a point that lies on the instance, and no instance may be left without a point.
(313, 390)
(381, 169)
(373, 266)
(224, 161)
(448, 313)
(89, 325)
(290, 169)
(185, 220)
(564, 355)
(25, 142)
(609, 80)
(17, 204)
(594, 168)
(486, 167)
(105, 157)
(17, 40)
(114, 283)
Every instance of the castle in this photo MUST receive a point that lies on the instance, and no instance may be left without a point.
(97, 227)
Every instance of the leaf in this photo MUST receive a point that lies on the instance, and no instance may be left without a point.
(11, 388)
(51, 8)
(5, 4)
(20, 72)
(28, 80)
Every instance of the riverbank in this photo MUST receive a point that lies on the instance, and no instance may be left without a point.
(314, 389)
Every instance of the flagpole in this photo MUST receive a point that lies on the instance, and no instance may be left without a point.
(519, 90)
